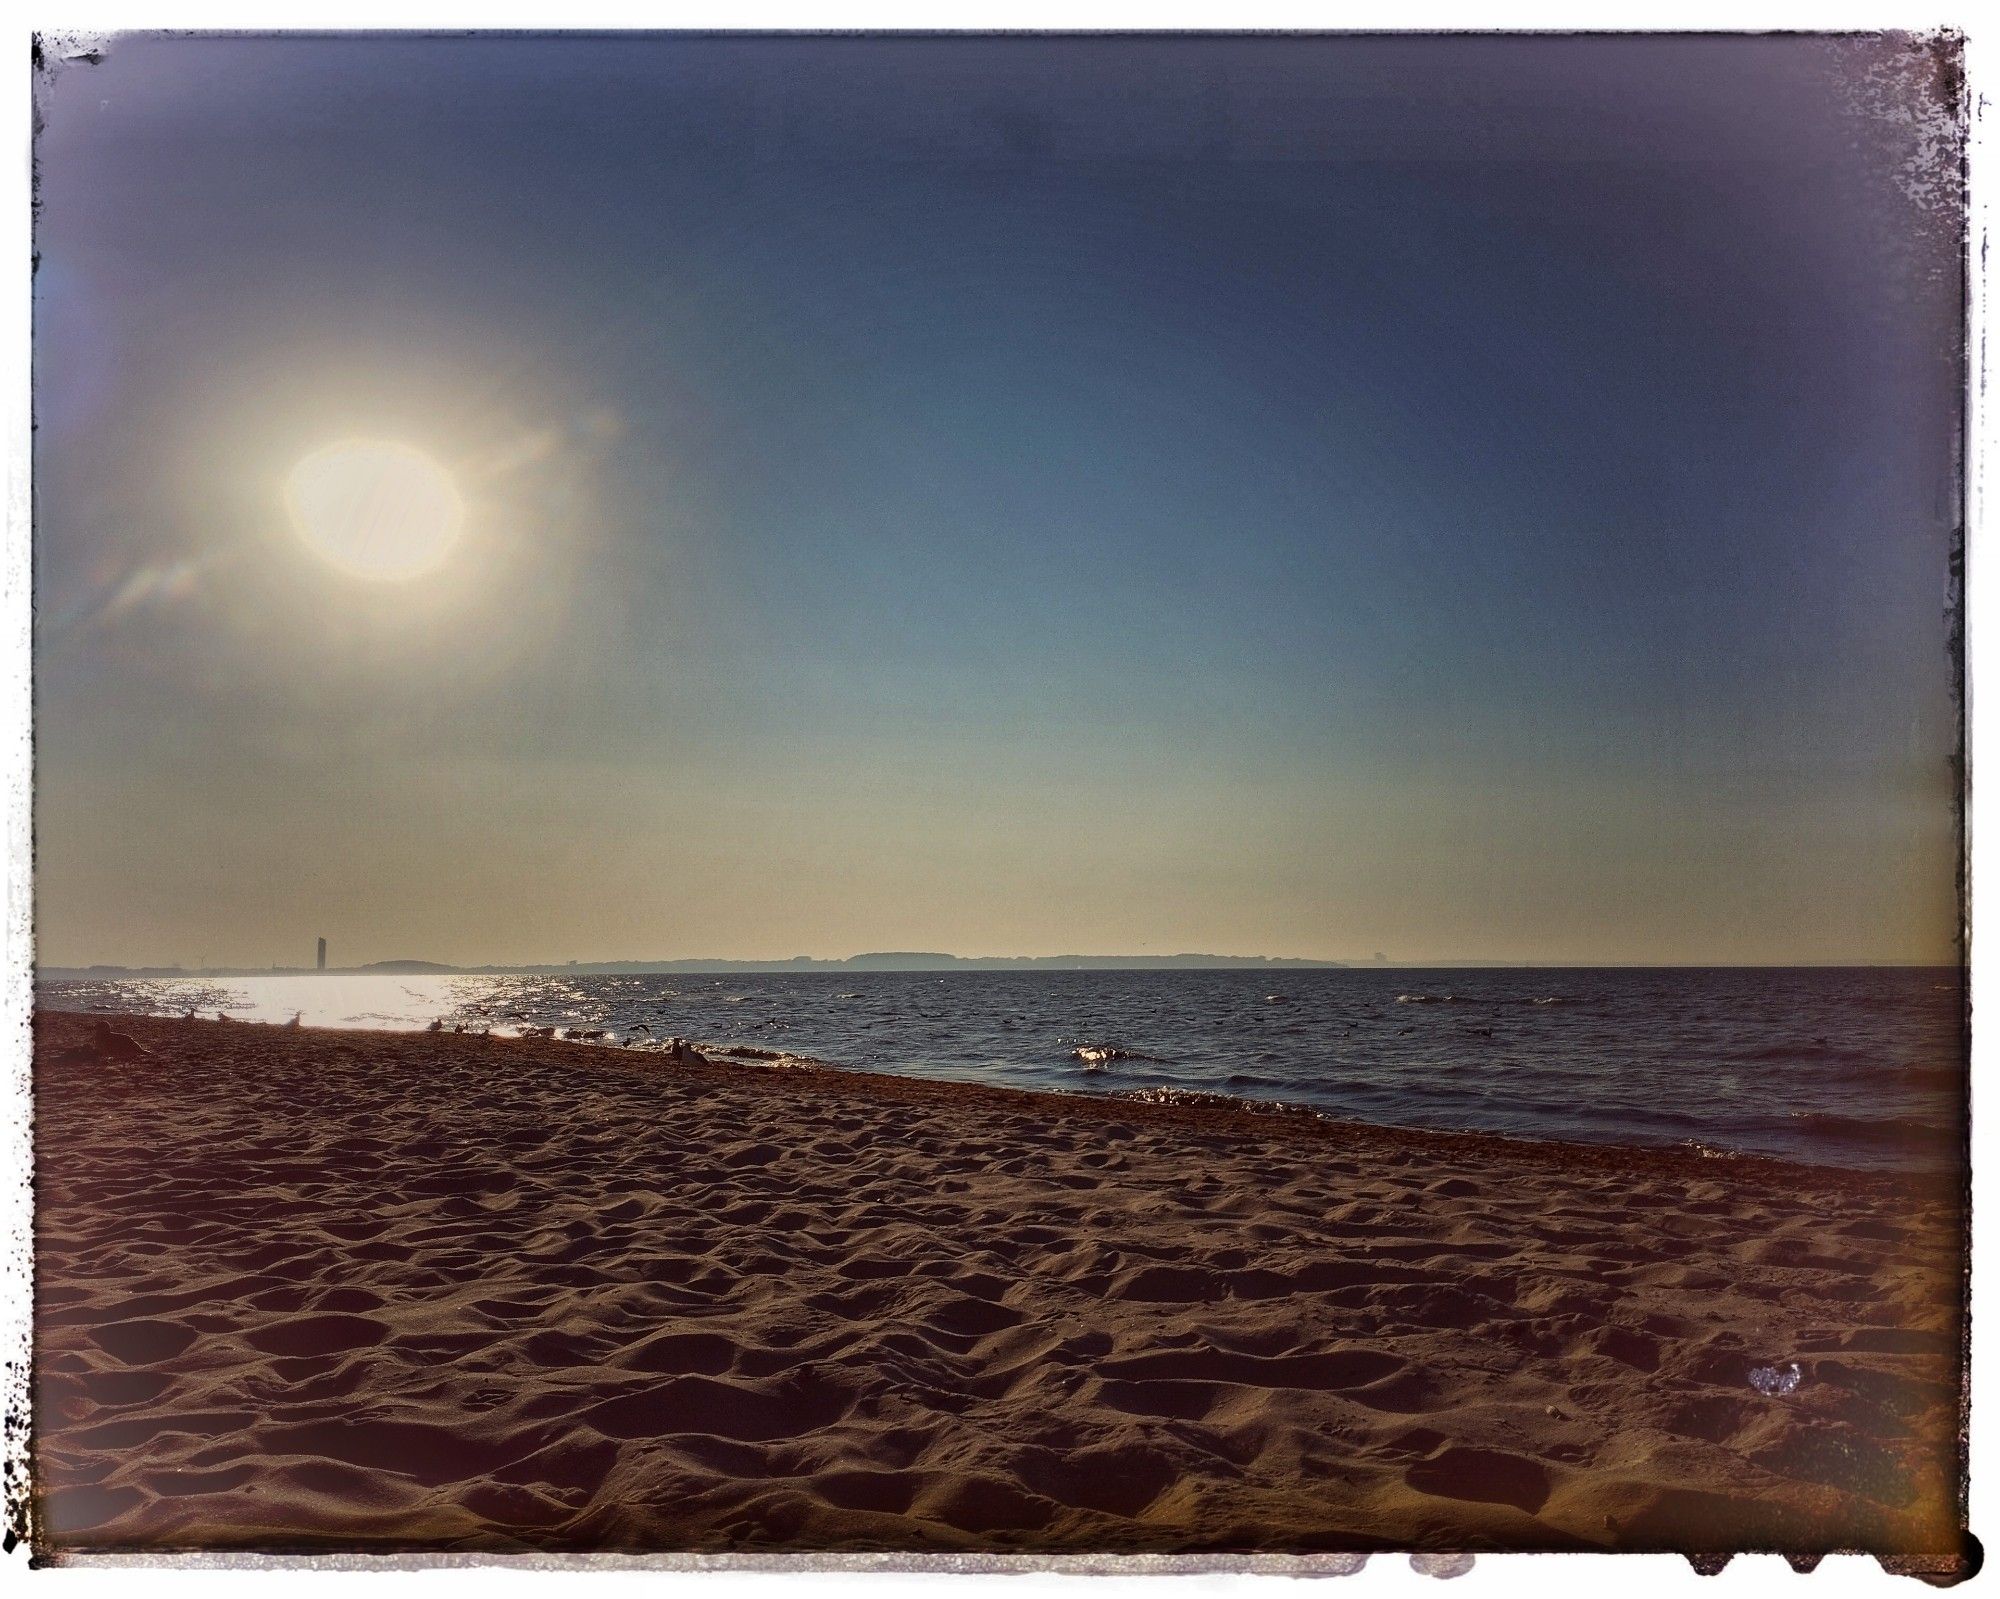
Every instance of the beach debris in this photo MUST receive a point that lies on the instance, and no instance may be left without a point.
(1775, 1380)
(105, 1044)
(110, 1044)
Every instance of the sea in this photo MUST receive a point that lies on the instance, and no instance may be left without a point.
(1854, 1067)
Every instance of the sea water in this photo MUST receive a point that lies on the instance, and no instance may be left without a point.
(1860, 1067)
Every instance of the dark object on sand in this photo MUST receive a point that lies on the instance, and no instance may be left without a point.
(113, 1045)
(106, 1043)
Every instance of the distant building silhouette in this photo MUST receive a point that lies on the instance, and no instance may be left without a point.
(322, 954)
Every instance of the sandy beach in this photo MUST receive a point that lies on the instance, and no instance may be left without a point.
(303, 1290)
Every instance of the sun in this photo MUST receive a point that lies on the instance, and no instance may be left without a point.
(375, 509)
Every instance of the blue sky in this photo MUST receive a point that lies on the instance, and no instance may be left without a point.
(1484, 498)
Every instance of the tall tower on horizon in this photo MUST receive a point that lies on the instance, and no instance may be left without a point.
(322, 954)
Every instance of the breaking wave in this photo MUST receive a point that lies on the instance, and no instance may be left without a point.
(1096, 1057)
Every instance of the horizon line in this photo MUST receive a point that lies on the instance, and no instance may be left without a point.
(944, 960)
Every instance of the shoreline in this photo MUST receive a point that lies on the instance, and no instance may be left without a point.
(320, 1289)
(1288, 1113)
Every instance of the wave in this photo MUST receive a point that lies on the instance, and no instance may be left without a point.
(1484, 999)
(782, 1058)
(1819, 1049)
(1096, 1057)
(1213, 1101)
(1871, 1129)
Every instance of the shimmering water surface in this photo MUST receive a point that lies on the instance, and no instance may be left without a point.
(1858, 1067)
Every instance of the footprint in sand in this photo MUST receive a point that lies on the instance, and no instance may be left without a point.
(140, 1343)
(1490, 1476)
(317, 1335)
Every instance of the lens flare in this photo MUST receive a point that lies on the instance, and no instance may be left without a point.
(376, 510)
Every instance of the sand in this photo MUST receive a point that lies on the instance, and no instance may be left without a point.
(304, 1290)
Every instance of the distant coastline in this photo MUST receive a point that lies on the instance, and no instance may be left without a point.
(919, 961)
(876, 961)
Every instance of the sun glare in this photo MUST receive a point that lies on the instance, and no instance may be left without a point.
(375, 510)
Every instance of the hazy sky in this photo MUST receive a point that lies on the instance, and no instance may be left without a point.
(1484, 498)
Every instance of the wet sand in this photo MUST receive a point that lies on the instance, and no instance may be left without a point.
(304, 1290)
